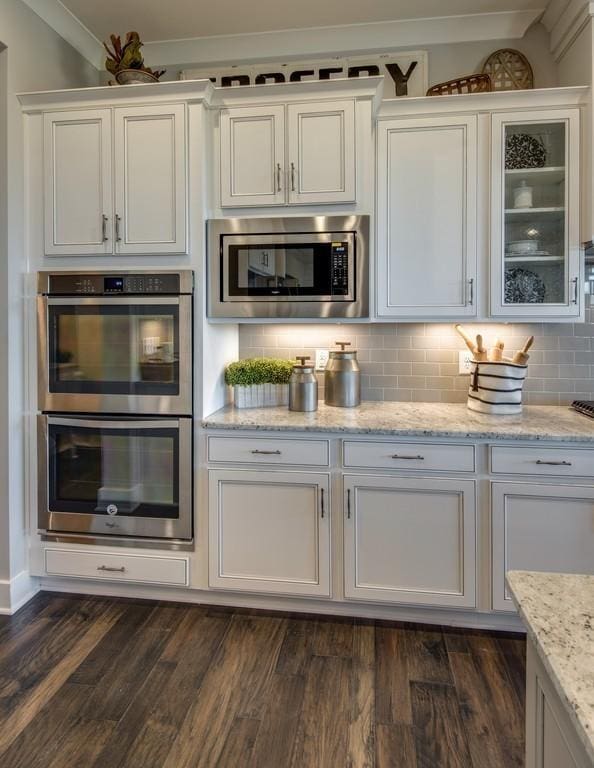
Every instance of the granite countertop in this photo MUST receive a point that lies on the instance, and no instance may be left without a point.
(558, 611)
(537, 422)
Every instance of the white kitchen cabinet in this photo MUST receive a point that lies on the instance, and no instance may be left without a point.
(78, 182)
(321, 155)
(410, 540)
(269, 532)
(535, 230)
(538, 527)
(253, 156)
(115, 181)
(288, 154)
(150, 179)
(427, 217)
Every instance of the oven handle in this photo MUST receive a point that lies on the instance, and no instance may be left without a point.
(119, 424)
(129, 299)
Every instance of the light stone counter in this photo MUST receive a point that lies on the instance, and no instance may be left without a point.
(537, 422)
(558, 611)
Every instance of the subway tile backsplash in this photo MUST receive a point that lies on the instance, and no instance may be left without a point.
(419, 361)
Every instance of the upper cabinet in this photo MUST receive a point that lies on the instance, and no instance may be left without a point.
(115, 181)
(427, 217)
(535, 248)
(291, 154)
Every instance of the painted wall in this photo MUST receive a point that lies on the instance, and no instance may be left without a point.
(35, 58)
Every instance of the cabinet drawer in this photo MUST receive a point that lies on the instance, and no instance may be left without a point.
(264, 450)
(421, 456)
(114, 567)
(566, 462)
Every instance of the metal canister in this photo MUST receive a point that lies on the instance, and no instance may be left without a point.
(303, 386)
(342, 378)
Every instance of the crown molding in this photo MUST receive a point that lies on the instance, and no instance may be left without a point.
(565, 20)
(339, 40)
(73, 31)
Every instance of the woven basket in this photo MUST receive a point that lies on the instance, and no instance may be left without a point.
(496, 387)
(468, 84)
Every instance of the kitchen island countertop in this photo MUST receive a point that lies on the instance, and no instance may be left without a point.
(558, 612)
(537, 422)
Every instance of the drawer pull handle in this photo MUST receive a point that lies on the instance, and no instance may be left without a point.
(322, 502)
(348, 504)
(110, 569)
(408, 458)
(554, 463)
(266, 453)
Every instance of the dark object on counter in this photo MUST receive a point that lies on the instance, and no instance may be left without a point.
(303, 387)
(342, 378)
(586, 407)
(523, 287)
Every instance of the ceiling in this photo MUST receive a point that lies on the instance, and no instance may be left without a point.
(160, 20)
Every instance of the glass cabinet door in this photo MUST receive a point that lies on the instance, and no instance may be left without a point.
(535, 217)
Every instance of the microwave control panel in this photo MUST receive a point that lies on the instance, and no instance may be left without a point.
(340, 268)
(89, 284)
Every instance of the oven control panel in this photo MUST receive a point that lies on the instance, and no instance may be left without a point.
(105, 284)
(340, 268)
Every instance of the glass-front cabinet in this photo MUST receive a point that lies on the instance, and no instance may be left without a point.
(535, 244)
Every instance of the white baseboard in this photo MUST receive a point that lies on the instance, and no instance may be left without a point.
(446, 617)
(14, 593)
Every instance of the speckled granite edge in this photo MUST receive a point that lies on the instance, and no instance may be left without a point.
(563, 639)
(537, 423)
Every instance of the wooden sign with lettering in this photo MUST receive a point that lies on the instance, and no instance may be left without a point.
(406, 73)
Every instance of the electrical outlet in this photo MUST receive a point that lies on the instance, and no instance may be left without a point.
(464, 361)
(321, 359)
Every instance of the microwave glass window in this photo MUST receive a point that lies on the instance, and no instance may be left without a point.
(303, 269)
(114, 350)
(104, 471)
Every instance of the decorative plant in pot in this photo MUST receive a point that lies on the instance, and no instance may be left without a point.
(126, 62)
(259, 381)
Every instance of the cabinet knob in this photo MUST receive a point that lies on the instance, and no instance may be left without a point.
(117, 223)
(278, 177)
(104, 228)
(110, 569)
(575, 283)
(471, 291)
(292, 177)
(554, 463)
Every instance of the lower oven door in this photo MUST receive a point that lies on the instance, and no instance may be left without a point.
(124, 477)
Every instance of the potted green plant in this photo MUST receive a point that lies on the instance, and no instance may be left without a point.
(259, 381)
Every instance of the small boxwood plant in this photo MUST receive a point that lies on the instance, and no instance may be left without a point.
(258, 370)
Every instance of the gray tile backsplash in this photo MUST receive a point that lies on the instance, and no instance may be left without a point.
(419, 361)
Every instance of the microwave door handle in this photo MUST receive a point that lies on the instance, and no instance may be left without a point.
(107, 424)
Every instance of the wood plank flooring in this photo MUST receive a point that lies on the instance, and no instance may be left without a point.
(98, 682)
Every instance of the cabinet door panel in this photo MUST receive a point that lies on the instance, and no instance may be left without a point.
(253, 156)
(321, 153)
(540, 528)
(427, 217)
(151, 179)
(535, 238)
(267, 533)
(78, 182)
(410, 540)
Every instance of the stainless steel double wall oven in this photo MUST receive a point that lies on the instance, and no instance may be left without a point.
(115, 393)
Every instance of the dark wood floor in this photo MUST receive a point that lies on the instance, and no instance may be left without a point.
(89, 682)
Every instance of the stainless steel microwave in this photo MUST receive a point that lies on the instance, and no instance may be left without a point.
(299, 267)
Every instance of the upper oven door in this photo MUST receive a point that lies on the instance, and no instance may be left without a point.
(115, 354)
(309, 267)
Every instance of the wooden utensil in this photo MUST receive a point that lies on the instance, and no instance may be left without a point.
(522, 357)
(481, 352)
(496, 354)
(467, 340)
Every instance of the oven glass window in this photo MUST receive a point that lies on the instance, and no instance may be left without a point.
(123, 472)
(114, 349)
(317, 269)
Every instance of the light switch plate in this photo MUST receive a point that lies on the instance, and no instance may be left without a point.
(321, 359)
(464, 361)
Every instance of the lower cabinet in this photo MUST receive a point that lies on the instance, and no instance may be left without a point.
(551, 739)
(410, 540)
(538, 527)
(269, 532)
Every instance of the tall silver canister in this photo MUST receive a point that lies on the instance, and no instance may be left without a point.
(303, 386)
(342, 378)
